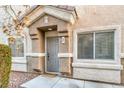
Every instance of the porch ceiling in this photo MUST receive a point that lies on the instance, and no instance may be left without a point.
(48, 28)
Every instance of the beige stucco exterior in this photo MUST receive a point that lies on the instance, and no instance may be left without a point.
(38, 34)
(94, 16)
(90, 18)
(100, 16)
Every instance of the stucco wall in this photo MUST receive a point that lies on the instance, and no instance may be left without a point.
(100, 16)
(88, 17)
(38, 35)
(95, 16)
(38, 32)
(35, 64)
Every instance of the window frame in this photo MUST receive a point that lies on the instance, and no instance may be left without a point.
(17, 59)
(117, 43)
(92, 42)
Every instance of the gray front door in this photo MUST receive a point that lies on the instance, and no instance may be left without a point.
(52, 54)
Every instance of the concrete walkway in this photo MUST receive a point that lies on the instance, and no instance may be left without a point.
(59, 82)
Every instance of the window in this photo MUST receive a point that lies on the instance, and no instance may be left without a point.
(17, 47)
(96, 45)
(85, 46)
(104, 45)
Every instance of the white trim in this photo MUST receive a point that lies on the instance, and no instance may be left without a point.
(98, 66)
(36, 54)
(19, 60)
(28, 40)
(19, 67)
(122, 55)
(117, 43)
(65, 55)
(94, 36)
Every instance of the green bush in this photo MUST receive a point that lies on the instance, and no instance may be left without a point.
(5, 65)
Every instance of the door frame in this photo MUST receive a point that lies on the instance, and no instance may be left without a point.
(49, 34)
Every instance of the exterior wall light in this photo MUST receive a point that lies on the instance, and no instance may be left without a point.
(63, 40)
(49, 29)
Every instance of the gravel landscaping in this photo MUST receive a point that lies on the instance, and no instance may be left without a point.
(17, 78)
(46, 81)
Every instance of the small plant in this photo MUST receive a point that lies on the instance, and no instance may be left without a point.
(5, 65)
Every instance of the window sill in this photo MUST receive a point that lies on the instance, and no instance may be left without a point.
(96, 61)
(19, 60)
(98, 66)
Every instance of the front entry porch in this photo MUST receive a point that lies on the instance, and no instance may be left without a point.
(53, 42)
(31, 80)
(61, 82)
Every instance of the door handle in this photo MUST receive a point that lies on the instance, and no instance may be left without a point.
(47, 56)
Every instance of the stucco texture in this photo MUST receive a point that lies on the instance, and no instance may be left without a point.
(95, 16)
(101, 16)
(88, 17)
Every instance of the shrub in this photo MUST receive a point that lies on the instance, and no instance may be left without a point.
(5, 65)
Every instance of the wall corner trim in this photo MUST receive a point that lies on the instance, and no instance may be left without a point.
(65, 55)
(122, 55)
(36, 54)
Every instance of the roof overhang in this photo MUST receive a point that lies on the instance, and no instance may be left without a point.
(38, 12)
